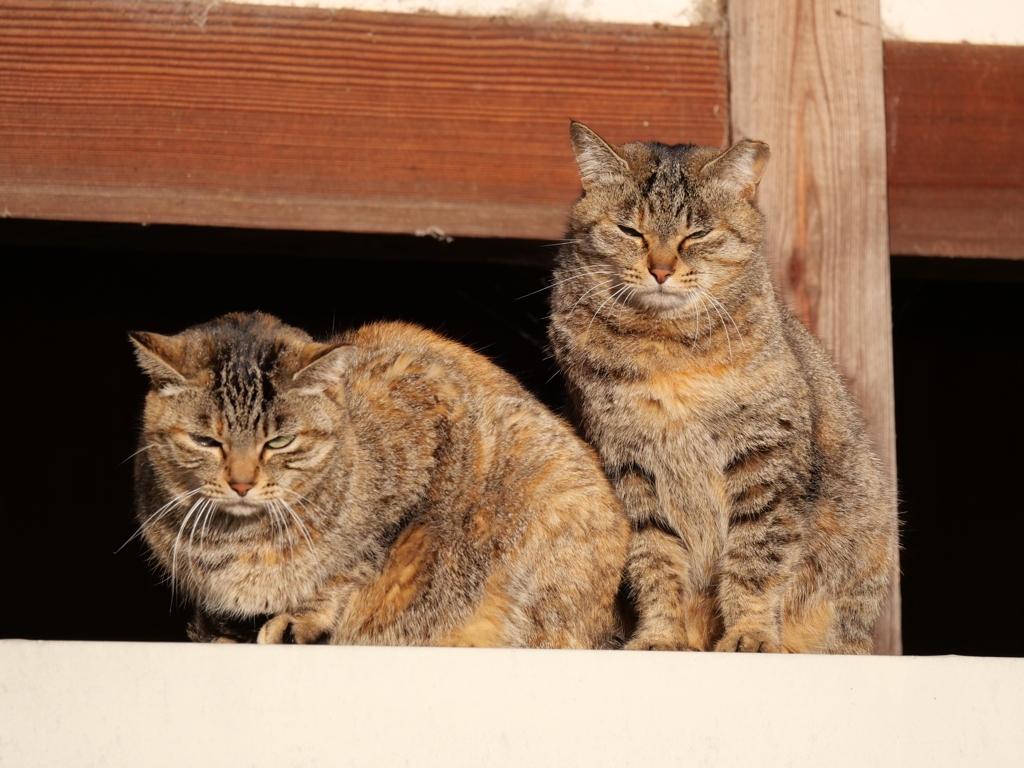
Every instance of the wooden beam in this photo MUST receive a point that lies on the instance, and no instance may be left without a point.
(956, 164)
(305, 118)
(806, 76)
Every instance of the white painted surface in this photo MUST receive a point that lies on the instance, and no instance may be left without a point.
(680, 12)
(143, 704)
(953, 21)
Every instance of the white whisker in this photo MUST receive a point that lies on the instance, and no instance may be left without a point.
(585, 267)
(725, 327)
(177, 500)
(614, 295)
(132, 456)
(305, 501)
(195, 523)
(283, 505)
(580, 276)
(177, 541)
(587, 292)
(564, 280)
(281, 526)
(302, 526)
(206, 522)
(303, 529)
(711, 323)
(722, 306)
(275, 519)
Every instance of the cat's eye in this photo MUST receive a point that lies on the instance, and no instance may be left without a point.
(281, 441)
(698, 235)
(206, 441)
(630, 231)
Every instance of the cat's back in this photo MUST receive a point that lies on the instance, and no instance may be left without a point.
(518, 503)
(389, 351)
(405, 368)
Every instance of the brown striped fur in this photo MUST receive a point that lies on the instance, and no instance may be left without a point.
(425, 498)
(761, 518)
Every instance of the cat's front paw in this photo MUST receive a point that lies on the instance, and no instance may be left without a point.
(301, 629)
(648, 643)
(748, 641)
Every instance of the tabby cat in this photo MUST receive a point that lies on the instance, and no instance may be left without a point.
(387, 487)
(761, 518)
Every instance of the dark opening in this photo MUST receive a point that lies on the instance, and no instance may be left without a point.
(73, 396)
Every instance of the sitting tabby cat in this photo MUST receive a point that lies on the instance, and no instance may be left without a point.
(388, 487)
(761, 518)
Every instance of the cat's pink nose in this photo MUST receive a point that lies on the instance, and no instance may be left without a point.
(241, 488)
(661, 275)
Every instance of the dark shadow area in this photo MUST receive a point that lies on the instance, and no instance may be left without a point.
(73, 394)
(958, 333)
(73, 397)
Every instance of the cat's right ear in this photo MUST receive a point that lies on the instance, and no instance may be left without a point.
(741, 167)
(598, 161)
(324, 367)
(160, 357)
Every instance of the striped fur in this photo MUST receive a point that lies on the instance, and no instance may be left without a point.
(387, 487)
(761, 518)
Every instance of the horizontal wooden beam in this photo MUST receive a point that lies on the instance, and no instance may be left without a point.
(305, 118)
(302, 118)
(956, 161)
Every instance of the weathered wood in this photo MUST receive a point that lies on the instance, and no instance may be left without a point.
(305, 118)
(956, 166)
(806, 76)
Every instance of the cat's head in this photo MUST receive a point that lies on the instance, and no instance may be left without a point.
(665, 225)
(242, 411)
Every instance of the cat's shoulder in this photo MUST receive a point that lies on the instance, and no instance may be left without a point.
(398, 358)
(398, 348)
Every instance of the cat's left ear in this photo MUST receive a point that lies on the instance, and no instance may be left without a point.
(598, 161)
(741, 167)
(162, 357)
(324, 366)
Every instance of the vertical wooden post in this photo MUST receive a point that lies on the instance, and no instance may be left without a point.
(806, 77)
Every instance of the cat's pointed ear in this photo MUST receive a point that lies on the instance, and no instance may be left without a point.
(598, 161)
(323, 366)
(741, 166)
(160, 356)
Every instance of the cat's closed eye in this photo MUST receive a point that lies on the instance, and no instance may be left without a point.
(281, 441)
(205, 441)
(630, 231)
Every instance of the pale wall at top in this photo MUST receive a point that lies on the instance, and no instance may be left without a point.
(951, 21)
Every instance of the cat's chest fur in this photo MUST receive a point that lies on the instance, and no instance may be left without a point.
(684, 421)
(676, 401)
(259, 578)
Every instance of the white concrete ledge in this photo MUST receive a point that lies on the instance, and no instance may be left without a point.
(143, 704)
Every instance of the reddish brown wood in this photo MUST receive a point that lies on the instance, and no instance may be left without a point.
(305, 118)
(954, 114)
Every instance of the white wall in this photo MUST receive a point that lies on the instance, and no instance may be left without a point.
(180, 705)
(953, 21)
(681, 12)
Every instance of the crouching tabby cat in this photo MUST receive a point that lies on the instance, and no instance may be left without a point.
(387, 487)
(761, 519)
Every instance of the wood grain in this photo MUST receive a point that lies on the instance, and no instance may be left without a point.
(956, 166)
(806, 76)
(302, 118)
